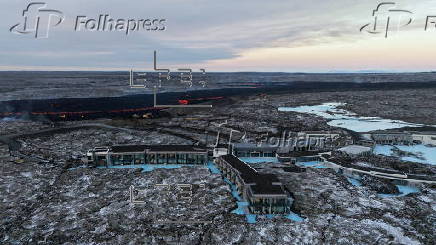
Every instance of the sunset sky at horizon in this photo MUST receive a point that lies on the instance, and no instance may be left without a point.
(247, 35)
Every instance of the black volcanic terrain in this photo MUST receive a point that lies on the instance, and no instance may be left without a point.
(79, 95)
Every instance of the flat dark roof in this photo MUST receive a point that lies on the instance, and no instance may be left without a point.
(249, 146)
(248, 174)
(267, 189)
(263, 183)
(128, 148)
(156, 148)
(178, 148)
(299, 154)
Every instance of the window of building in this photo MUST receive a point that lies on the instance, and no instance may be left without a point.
(101, 161)
(116, 160)
(255, 154)
(161, 158)
(172, 158)
(181, 158)
(139, 159)
(201, 159)
(191, 159)
(151, 159)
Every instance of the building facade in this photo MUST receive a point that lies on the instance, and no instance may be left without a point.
(253, 150)
(425, 138)
(147, 154)
(356, 150)
(299, 156)
(392, 138)
(264, 193)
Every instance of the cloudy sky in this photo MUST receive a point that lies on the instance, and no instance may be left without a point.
(227, 35)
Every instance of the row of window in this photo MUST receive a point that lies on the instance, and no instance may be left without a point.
(254, 154)
(269, 210)
(138, 159)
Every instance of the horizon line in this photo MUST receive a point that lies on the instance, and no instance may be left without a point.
(288, 72)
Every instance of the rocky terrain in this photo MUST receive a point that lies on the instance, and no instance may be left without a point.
(340, 213)
(51, 198)
(419, 107)
(44, 85)
(51, 203)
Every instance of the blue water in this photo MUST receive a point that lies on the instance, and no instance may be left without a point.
(151, 167)
(426, 152)
(234, 190)
(251, 218)
(344, 119)
(403, 189)
(259, 159)
(354, 181)
(241, 208)
(213, 169)
(294, 217)
(313, 164)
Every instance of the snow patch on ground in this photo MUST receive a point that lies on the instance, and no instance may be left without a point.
(396, 232)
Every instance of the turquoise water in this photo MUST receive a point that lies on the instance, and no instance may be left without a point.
(354, 181)
(251, 218)
(344, 119)
(294, 217)
(213, 169)
(151, 167)
(427, 153)
(313, 164)
(234, 190)
(241, 208)
(84, 166)
(259, 159)
(403, 189)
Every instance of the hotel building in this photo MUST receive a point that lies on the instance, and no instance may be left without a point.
(264, 192)
(147, 154)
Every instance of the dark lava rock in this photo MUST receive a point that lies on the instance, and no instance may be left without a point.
(294, 169)
(379, 185)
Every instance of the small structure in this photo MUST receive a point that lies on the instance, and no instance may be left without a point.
(253, 150)
(366, 142)
(264, 192)
(425, 138)
(299, 156)
(220, 150)
(147, 154)
(392, 138)
(356, 150)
